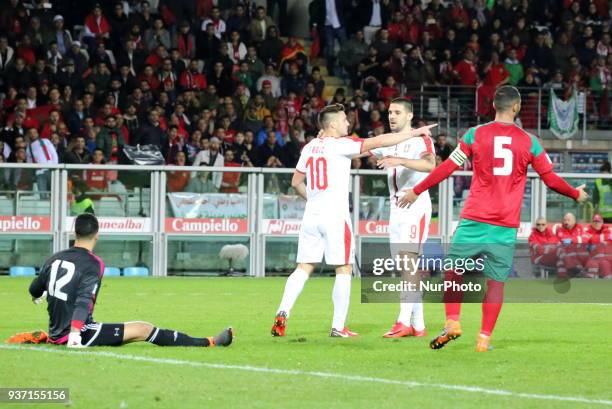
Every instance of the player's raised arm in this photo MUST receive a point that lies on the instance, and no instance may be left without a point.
(426, 164)
(446, 168)
(391, 139)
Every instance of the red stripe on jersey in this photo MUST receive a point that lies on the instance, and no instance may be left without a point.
(421, 231)
(428, 145)
(347, 243)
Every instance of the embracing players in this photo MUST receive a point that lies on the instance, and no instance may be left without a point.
(325, 165)
(501, 152)
(72, 280)
(407, 164)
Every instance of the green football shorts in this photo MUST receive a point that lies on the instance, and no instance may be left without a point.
(496, 243)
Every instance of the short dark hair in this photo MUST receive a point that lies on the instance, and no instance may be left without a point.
(403, 102)
(505, 97)
(327, 112)
(85, 226)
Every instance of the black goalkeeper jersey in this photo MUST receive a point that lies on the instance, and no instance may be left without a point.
(72, 279)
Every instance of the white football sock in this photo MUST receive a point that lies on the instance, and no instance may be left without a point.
(293, 288)
(405, 313)
(341, 297)
(417, 320)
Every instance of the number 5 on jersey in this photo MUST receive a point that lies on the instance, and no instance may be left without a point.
(501, 152)
(317, 173)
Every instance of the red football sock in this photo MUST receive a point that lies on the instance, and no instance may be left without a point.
(452, 298)
(491, 306)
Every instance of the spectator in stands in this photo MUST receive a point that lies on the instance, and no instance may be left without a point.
(59, 34)
(78, 154)
(414, 72)
(230, 180)
(239, 21)
(97, 28)
(573, 253)
(224, 85)
(7, 59)
(179, 179)
(375, 15)
(496, 73)
(269, 126)
(236, 48)
(383, 44)
(216, 21)
(13, 130)
(110, 139)
(156, 36)
(21, 179)
(465, 70)
(544, 245)
(270, 79)
(41, 151)
(259, 25)
(151, 133)
(97, 180)
(270, 153)
(211, 157)
(598, 239)
(294, 81)
(443, 147)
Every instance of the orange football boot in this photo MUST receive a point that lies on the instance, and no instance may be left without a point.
(452, 330)
(34, 337)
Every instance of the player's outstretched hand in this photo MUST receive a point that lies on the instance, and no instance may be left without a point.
(583, 196)
(389, 162)
(74, 340)
(409, 198)
(424, 130)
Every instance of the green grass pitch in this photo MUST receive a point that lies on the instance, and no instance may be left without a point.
(544, 353)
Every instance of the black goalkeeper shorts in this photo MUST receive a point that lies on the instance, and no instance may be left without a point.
(101, 334)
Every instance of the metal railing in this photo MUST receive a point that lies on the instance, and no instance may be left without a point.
(258, 227)
(457, 107)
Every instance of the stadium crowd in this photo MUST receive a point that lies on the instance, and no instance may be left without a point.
(217, 85)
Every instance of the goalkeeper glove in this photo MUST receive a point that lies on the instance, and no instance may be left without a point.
(74, 340)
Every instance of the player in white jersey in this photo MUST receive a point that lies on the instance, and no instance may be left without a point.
(325, 165)
(407, 164)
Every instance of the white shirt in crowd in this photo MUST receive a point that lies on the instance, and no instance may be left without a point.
(375, 18)
(331, 17)
(42, 151)
(203, 158)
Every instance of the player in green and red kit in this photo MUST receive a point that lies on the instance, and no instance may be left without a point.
(501, 152)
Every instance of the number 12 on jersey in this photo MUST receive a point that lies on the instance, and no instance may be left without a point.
(317, 173)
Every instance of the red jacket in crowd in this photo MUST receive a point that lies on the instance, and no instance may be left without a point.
(598, 240)
(543, 245)
(569, 236)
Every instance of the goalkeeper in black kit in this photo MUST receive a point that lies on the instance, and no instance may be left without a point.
(72, 280)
